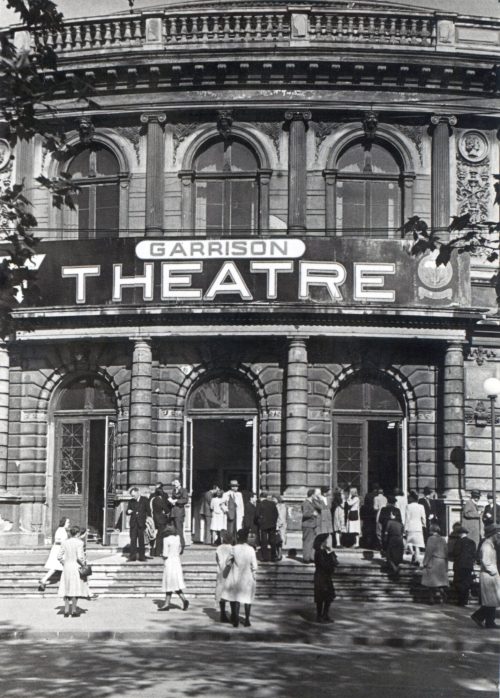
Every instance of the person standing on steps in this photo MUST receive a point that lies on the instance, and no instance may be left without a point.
(138, 510)
(489, 579)
(471, 516)
(310, 516)
(206, 515)
(160, 511)
(463, 556)
(325, 562)
(234, 508)
(223, 558)
(72, 587)
(353, 520)
(173, 579)
(435, 565)
(414, 527)
(266, 515)
(428, 501)
(218, 521)
(53, 565)
(178, 501)
(241, 579)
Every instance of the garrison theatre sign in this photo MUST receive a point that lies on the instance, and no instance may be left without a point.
(318, 271)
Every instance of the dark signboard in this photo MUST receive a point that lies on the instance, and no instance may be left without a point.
(309, 271)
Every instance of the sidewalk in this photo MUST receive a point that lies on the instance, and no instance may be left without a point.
(367, 624)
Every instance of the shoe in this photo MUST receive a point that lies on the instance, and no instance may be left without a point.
(66, 615)
(143, 559)
(75, 615)
(476, 620)
(41, 586)
(224, 619)
(247, 624)
(185, 605)
(132, 558)
(491, 626)
(235, 622)
(165, 607)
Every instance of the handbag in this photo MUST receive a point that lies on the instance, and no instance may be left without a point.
(353, 515)
(227, 568)
(85, 571)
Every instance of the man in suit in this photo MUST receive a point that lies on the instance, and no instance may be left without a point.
(266, 515)
(471, 516)
(138, 510)
(233, 504)
(310, 513)
(160, 511)
(463, 556)
(206, 514)
(429, 504)
(488, 511)
(178, 501)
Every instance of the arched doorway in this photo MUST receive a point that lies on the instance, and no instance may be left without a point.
(369, 437)
(84, 473)
(220, 440)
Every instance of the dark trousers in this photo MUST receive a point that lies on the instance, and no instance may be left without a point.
(137, 540)
(268, 540)
(158, 546)
(178, 523)
(486, 613)
(207, 534)
(463, 580)
(308, 536)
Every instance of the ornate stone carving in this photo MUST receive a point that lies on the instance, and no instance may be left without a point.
(414, 133)
(481, 354)
(298, 116)
(473, 189)
(181, 132)
(86, 130)
(322, 130)
(473, 146)
(5, 153)
(5, 182)
(273, 131)
(132, 134)
(370, 124)
(224, 122)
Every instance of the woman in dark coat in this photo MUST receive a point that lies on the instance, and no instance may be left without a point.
(325, 562)
(435, 565)
(393, 544)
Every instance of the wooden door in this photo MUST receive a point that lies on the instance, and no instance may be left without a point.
(71, 471)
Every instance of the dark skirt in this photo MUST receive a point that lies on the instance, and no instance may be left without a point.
(395, 549)
(324, 591)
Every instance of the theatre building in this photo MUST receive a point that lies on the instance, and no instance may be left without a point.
(232, 295)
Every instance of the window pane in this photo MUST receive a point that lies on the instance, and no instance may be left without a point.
(107, 209)
(86, 393)
(379, 398)
(351, 206)
(353, 160)
(242, 158)
(383, 161)
(349, 455)
(211, 159)
(222, 392)
(385, 207)
(242, 206)
(71, 469)
(80, 165)
(349, 398)
(82, 203)
(106, 162)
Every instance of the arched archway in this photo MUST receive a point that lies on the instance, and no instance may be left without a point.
(220, 442)
(84, 415)
(369, 435)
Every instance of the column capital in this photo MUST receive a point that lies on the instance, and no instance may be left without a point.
(448, 119)
(153, 117)
(299, 115)
(141, 340)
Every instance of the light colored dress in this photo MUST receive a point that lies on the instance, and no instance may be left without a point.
(240, 582)
(53, 563)
(72, 555)
(218, 522)
(415, 523)
(173, 579)
(353, 526)
(222, 555)
(282, 524)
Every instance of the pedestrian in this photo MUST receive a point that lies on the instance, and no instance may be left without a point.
(339, 515)
(325, 523)
(463, 556)
(72, 587)
(173, 579)
(234, 508)
(250, 520)
(310, 514)
(401, 502)
(428, 501)
(206, 515)
(380, 500)
(160, 511)
(353, 520)
(368, 516)
(178, 501)
(435, 565)
(241, 579)
(223, 558)
(266, 516)
(415, 522)
(218, 522)
(388, 512)
(393, 544)
(138, 509)
(471, 516)
(325, 562)
(281, 526)
(489, 578)
(52, 564)
(488, 511)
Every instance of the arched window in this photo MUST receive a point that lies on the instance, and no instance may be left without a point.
(86, 393)
(368, 191)
(222, 393)
(97, 204)
(226, 176)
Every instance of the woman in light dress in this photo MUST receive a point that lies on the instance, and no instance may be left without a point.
(53, 565)
(218, 522)
(240, 582)
(353, 521)
(415, 522)
(173, 579)
(339, 522)
(223, 557)
(72, 587)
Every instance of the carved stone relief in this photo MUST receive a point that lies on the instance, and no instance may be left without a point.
(473, 190)
(414, 133)
(273, 131)
(132, 133)
(322, 130)
(180, 133)
(6, 180)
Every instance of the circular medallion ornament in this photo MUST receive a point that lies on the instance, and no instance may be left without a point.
(5, 153)
(473, 146)
(431, 275)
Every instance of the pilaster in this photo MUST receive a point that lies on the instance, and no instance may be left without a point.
(297, 170)
(155, 165)
(140, 427)
(442, 129)
(296, 417)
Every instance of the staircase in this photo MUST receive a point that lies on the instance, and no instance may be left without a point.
(355, 579)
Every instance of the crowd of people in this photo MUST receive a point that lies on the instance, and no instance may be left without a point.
(239, 525)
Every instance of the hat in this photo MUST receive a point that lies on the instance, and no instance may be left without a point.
(461, 530)
(475, 493)
(427, 490)
(490, 530)
(319, 540)
(233, 483)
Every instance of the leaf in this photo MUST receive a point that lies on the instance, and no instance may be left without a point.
(444, 255)
(459, 222)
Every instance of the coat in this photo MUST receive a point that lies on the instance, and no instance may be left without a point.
(325, 523)
(415, 523)
(160, 509)
(222, 555)
(489, 576)
(471, 520)
(310, 514)
(139, 511)
(53, 563)
(464, 554)
(205, 509)
(325, 563)
(240, 582)
(266, 515)
(218, 522)
(435, 562)
(173, 579)
(71, 556)
(234, 508)
(393, 540)
(181, 498)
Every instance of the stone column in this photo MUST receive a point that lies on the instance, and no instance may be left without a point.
(453, 417)
(155, 165)
(296, 417)
(4, 414)
(441, 170)
(297, 170)
(140, 414)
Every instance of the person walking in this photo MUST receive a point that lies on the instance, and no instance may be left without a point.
(266, 515)
(428, 501)
(471, 516)
(173, 579)
(218, 522)
(463, 556)
(178, 501)
(138, 509)
(310, 514)
(234, 508)
(388, 512)
(393, 544)
(241, 579)
(489, 579)
(353, 520)
(325, 523)
(435, 565)
(223, 558)
(415, 522)
(71, 586)
(52, 564)
(325, 562)
(160, 510)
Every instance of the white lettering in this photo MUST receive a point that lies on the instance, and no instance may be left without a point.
(278, 248)
(145, 282)
(272, 269)
(175, 283)
(80, 274)
(329, 274)
(368, 277)
(228, 280)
